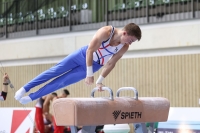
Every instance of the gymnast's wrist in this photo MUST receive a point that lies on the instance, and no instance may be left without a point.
(90, 71)
(99, 80)
(5, 83)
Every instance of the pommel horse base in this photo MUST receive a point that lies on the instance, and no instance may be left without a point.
(90, 112)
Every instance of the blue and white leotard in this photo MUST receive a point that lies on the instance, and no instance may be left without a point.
(71, 69)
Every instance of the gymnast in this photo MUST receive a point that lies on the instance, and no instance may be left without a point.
(4, 91)
(106, 47)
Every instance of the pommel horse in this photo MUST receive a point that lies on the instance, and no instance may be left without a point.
(90, 112)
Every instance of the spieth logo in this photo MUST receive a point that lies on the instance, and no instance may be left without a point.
(127, 115)
(116, 114)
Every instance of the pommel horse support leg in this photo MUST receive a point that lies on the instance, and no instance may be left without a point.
(90, 112)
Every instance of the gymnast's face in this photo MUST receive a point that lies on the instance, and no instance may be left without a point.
(127, 39)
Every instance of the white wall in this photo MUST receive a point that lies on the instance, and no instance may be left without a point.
(154, 36)
(166, 35)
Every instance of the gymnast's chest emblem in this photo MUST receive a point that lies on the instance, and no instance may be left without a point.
(116, 49)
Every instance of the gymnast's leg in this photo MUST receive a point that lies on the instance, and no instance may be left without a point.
(68, 63)
(39, 117)
(66, 79)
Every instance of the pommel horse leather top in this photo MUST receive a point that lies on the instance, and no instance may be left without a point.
(101, 111)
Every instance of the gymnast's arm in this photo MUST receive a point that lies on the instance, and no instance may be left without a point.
(4, 91)
(46, 105)
(101, 35)
(110, 65)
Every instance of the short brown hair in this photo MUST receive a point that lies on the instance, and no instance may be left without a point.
(66, 92)
(133, 30)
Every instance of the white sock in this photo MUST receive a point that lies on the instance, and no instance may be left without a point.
(19, 94)
(25, 100)
(80, 131)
